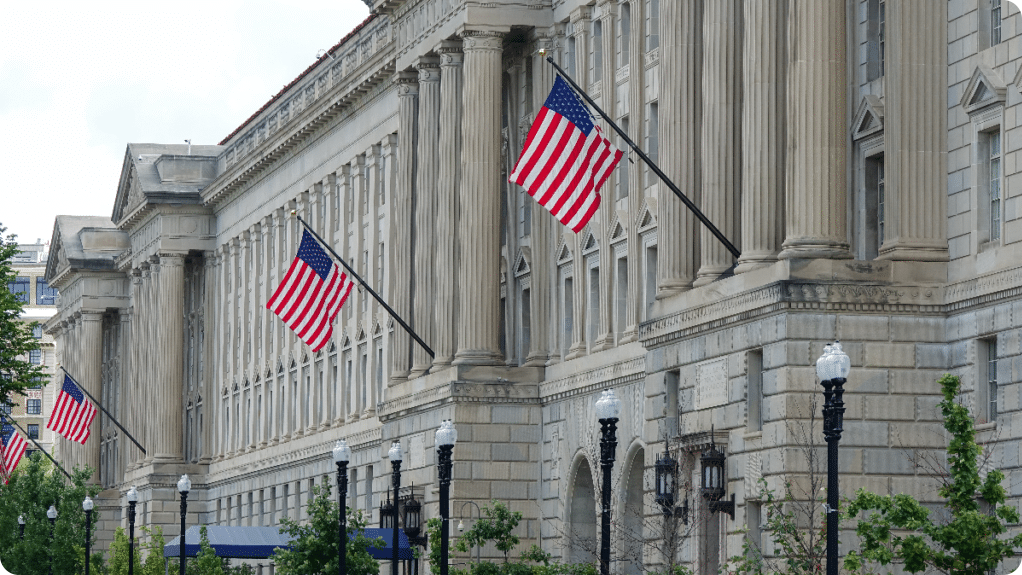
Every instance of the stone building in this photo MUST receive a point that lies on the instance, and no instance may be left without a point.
(862, 154)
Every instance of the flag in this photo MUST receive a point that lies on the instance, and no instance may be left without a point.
(566, 159)
(12, 448)
(73, 413)
(311, 293)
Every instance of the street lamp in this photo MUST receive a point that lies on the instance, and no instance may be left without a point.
(713, 483)
(342, 455)
(832, 368)
(132, 500)
(21, 527)
(51, 514)
(446, 437)
(87, 505)
(395, 462)
(184, 485)
(608, 408)
(667, 487)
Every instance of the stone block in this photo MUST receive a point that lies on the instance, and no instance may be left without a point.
(472, 414)
(890, 407)
(853, 407)
(932, 355)
(917, 329)
(923, 488)
(478, 490)
(889, 355)
(811, 326)
(887, 461)
(850, 460)
(493, 470)
(510, 414)
(918, 434)
(523, 434)
(863, 328)
(958, 354)
(509, 452)
(491, 433)
(786, 353)
(656, 360)
(928, 408)
(508, 490)
(866, 380)
(865, 433)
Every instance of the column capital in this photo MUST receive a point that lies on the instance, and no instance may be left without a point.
(90, 315)
(172, 259)
(266, 222)
(407, 84)
(429, 69)
(582, 13)
(388, 144)
(450, 52)
(483, 40)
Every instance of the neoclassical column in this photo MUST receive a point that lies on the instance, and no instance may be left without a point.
(479, 200)
(680, 101)
(425, 198)
(763, 132)
(401, 221)
(89, 374)
(170, 394)
(915, 133)
(448, 179)
(133, 386)
(817, 158)
(126, 449)
(209, 326)
(150, 383)
(721, 133)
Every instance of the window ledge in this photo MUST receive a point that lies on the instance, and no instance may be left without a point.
(753, 435)
(986, 426)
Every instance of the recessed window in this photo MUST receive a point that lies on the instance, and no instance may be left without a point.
(34, 406)
(652, 24)
(993, 175)
(44, 294)
(35, 356)
(33, 430)
(20, 288)
(986, 380)
(754, 368)
(995, 22)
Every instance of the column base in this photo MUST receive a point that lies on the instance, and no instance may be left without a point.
(915, 253)
(576, 352)
(630, 335)
(754, 261)
(537, 360)
(418, 371)
(672, 288)
(709, 274)
(442, 362)
(477, 357)
(815, 249)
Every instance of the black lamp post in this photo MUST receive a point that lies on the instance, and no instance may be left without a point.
(411, 518)
(446, 437)
(608, 408)
(51, 514)
(387, 514)
(21, 527)
(184, 485)
(88, 505)
(395, 462)
(342, 455)
(132, 500)
(832, 368)
(713, 462)
(667, 487)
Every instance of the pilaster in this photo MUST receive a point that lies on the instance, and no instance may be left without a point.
(401, 222)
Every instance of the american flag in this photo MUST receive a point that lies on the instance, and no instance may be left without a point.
(311, 293)
(12, 449)
(566, 159)
(73, 413)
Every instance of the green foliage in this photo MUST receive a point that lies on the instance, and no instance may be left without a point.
(152, 548)
(433, 525)
(16, 340)
(314, 548)
(205, 562)
(498, 527)
(801, 551)
(34, 486)
(118, 564)
(969, 543)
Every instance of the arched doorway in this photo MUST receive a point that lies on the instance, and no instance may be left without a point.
(582, 541)
(630, 539)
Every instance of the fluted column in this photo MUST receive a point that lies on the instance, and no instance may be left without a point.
(133, 385)
(126, 449)
(170, 392)
(680, 100)
(763, 132)
(448, 179)
(479, 200)
(816, 187)
(208, 377)
(721, 133)
(401, 221)
(148, 378)
(89, 374)
(425, 198)
(915, 133)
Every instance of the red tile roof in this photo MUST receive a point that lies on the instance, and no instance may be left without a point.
(284, 90)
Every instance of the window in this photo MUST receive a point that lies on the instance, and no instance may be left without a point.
(34, 406)
(652, 139)
(35, 357)
(651, 271)
(882, 36)
(995, 22)
(873, 207)
(33, 430)
(672, 407)
(383, 180)
(624, 34)
(597, 49)
(526, 325)
(986, 386)
(567, 315)
(37, 332)
(753, 518)
(569, 56)
(622, 171)
(38, 383)
(652, 25)
(20, 288)
(993, 176)
(621, 297)
(594, 305)
(754, 368)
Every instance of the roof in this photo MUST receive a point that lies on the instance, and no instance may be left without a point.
(84, 242)
(298, 79)
(260, 542)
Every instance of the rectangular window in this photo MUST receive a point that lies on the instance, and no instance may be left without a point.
(652, 25)
(754, 368)
(526, 322)
(621, 297)
(353, 489)
(872, 209)
(594, 305)
(365, 266)
(597, 49)
(652, 139)
(672, 403)
(995, 22)
(624, 34)
(651, 271)
(994, 182)
(882, 36)
(383, 180)
(37, 332)
(44, 294)
(881, 202)
(35, 356)
(379, 367)
(34, 406)
(33, 430)
(753, 520)
(380, 268)
(369, 491)
(569, 56)
(6, 408)
(20, 288)
(567, 315)
(622, 171)
(986, 387)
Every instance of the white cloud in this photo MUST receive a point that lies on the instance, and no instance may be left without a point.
(80, 80)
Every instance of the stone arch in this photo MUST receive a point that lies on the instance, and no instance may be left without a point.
(582, 540)
(631, 510)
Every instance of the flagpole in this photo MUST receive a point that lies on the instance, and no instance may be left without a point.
(691, 206)
(34, 442)
(392, 313)
(114, 420)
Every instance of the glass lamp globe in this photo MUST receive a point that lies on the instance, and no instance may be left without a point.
(342, 453)
(395, 451)
(132, 495)
(88, 505)
(447, 434)
(184, 485)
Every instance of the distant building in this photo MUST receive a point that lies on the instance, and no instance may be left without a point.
(40, 305)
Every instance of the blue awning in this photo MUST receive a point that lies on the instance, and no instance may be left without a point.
(260, 542)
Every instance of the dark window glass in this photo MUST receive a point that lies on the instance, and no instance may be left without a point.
(5, 408)
(35, 356)
(19, 287)
(33, 430)
(37, 332)
(44, 294)
(34, 406)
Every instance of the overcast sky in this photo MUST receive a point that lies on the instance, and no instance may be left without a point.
(79, 80)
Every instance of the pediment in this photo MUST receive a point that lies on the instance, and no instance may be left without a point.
(332, 348)
(90, 243)
(646, 218)
(985, 89)
(869, 117)
(589, 244)
(377, 329)
(305, 359)
(617, 230)
(523, 262)
(563, 252)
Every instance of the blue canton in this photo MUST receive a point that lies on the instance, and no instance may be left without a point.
(7, 432)
(313, 255)
(71, 389)
(563, 101)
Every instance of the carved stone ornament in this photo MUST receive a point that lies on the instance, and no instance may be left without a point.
(484, 40)
(407, 85)
(429, 70)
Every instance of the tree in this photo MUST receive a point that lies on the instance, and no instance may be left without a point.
(34, 486)
(314, 545)
(498, 527)
(967, 541)
(16, 339)
(118, 564)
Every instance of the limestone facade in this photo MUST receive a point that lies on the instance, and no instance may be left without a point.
(904, 243)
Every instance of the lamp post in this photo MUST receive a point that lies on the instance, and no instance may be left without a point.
(608, 408)
(342, 455)
(395, 462)
(21, 527)
(184, 485)
(88, 505)
(51, 514)
(132, 500)
(446, 437)
(667, 487)
(713, 487)
(832, 368)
